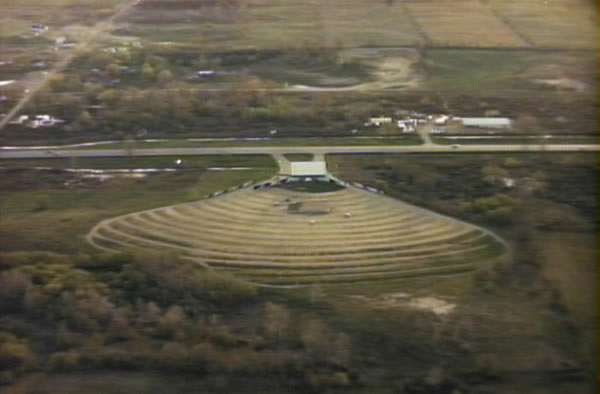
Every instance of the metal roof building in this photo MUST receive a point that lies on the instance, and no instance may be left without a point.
(503, 123)
(304, 168)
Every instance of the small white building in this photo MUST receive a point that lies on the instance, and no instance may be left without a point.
(378, 121)
(441, 120)
(37, 121)
(407, 125)
(38, 28)
(304, 168)
(206, 73)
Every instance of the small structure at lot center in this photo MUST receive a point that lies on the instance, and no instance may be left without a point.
(304, 168)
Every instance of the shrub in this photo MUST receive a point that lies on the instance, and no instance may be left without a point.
(181, 277)
(64, 361)
(335, 379)
(14, 355)
(13, 285)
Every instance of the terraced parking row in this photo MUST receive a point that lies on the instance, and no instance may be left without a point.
(274, 236)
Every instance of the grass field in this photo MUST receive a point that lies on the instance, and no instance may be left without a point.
(463, 23)
(571, 261)
(554, 24)
(276, 24)
(515, 140)
(499, 71)
(299, 156)
(52, 211)
(301, 141)
(352, 23)
(201, 162)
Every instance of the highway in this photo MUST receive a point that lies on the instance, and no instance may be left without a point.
(280, 150)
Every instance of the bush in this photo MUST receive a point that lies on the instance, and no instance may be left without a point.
(335, 379)
(13, 285)
(18, 259)
(14, 355)
(181, 277)
(64, 361)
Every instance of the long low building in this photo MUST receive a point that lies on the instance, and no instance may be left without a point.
(304, 168)
(501, 123)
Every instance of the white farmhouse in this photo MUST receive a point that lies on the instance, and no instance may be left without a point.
(378, 121)
(407, 125)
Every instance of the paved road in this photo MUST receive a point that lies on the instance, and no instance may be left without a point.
(279, 150)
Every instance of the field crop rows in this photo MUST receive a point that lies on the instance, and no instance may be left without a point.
(463, 23)
(276, 23)
(356, 23)
(555, 24)
(357, 236)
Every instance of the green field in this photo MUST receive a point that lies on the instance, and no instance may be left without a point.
(556, 140)
(198, 162)
(503, 71)
(572, 262)
(45, 212)
(299, 156)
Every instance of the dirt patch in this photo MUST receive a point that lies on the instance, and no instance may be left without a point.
(391, 69)
(436, 305)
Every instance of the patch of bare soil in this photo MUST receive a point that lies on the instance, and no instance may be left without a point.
(432, 304)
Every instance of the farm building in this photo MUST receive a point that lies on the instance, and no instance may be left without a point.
(499, 123)
(407, 125)
(38, 28)
(206, 73)
(304, 168)
(378, 121)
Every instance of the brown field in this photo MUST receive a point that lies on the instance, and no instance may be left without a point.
(344, 23)
(463, 23)
(310, 23)
(555, 24)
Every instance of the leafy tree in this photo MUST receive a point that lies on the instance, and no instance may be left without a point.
(148, 72)
(113, 70)
(164, 77)
(14, 353)
(171, 322)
